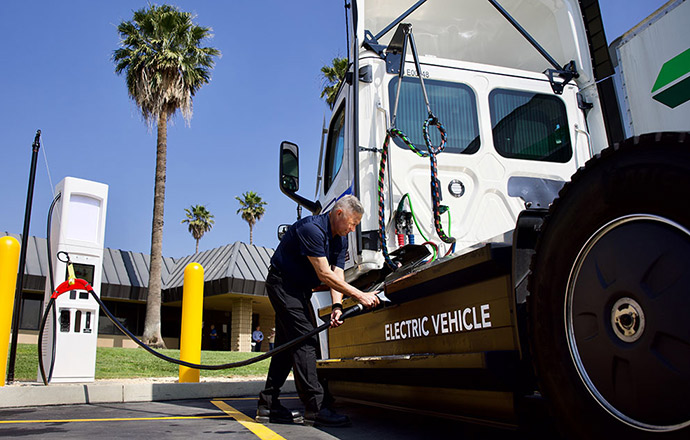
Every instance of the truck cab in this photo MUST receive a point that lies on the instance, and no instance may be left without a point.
(516, 130)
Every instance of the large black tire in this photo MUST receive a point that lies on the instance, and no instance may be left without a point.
(609, 305)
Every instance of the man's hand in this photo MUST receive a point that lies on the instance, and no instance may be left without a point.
(335, 317)
(335, 279)
(368, 299)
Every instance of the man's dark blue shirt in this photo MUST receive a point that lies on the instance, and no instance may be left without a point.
(309, 237)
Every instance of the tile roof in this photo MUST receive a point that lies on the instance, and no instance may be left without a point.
(236, 268)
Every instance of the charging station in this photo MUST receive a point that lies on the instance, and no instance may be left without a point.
(78, 228)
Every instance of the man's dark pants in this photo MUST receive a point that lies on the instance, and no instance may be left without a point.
(293, 319)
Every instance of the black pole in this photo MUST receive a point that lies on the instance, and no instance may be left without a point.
(22, 258)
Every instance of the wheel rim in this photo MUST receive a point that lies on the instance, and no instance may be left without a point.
(626, 320)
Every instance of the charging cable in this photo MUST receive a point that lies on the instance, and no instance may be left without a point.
(79, 284)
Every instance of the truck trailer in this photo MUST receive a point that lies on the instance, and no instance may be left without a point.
(652, 69)
(530, 261)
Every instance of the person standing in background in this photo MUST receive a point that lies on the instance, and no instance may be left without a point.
(272, 339)
(213, 334)
(257, 337)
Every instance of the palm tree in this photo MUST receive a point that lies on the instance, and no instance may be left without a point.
(252, 209)
(164, 65)
(200, 221)
(333, 76)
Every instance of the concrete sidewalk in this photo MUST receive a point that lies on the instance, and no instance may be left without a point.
(130, 390)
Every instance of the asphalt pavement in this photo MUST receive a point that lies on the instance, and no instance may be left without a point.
(127, 409)
(230, 417)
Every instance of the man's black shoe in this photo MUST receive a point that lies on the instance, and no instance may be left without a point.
(278, 414)
(325, 417)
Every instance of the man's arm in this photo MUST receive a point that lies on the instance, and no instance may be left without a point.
(337, 298)
(332, 280)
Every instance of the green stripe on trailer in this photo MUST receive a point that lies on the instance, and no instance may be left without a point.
(673, 70)
(676, 94)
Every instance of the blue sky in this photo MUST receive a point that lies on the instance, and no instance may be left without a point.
(58, 77)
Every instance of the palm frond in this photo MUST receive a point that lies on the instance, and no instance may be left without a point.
(251, 208)
(162, 58)
(333, 76)
(199, 220)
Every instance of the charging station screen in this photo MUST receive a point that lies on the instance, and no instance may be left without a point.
(83, 271)
(84, 218)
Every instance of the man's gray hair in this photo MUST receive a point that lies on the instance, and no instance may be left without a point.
(350, 204)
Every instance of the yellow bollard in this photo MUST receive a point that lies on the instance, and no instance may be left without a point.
(192, 314)
(9, 264)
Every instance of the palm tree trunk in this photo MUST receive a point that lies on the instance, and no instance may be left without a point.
(152, 323)
(197, 246)
(250, 234)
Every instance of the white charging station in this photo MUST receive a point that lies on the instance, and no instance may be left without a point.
(78, 228)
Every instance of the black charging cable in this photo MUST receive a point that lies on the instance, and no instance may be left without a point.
(83, 285)
(347, 313)
(52, 288)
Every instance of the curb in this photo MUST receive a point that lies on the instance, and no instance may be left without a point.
(87, 393)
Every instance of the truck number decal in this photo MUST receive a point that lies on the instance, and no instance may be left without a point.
(413, 73)
(454, 321)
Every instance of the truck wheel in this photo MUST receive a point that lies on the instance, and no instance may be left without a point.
(609, 321)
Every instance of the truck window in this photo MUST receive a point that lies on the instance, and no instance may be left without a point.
(529, 126)
(334, 148)
(454, 104)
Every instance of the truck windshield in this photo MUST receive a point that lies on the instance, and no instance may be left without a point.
(475, 31)
(529, 126)
(454, 104)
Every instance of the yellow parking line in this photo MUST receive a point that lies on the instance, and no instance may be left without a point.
(114, 419)
(257, 428)
(254, 398)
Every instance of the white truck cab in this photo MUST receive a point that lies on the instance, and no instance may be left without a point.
(516, 130)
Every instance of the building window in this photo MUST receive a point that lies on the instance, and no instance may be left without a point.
(32, 307)
(530, 126)
(454, 105)
(126, 313)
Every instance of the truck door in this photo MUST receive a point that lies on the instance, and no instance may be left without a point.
(498, 129)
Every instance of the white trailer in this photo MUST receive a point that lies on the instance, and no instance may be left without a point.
(652, 63)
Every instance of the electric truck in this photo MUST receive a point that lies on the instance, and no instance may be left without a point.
(530, 258)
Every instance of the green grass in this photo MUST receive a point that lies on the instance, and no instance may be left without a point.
(122, 363)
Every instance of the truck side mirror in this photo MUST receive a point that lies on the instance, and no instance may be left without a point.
(289, 167)
(289, 176)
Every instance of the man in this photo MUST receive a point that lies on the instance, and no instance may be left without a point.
(214, 337)
(311, 252)
(257, 337)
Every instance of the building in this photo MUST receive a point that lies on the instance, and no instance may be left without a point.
(235, 298)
